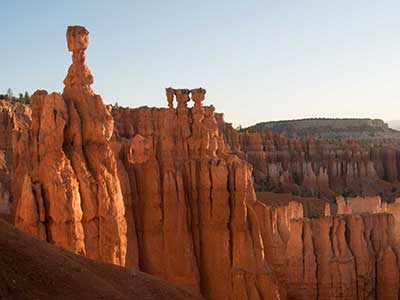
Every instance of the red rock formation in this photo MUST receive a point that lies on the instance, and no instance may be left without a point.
(30, 213)
(187, 204)
(274, 223)
(372, 205)
(359, 205)
(72, 168)
(87, 144)
(394, 209)
(162, 191)
(343, 257)
(317, 167)
(193, 202)
(13, 117)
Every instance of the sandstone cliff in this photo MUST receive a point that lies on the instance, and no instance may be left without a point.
(192, 202)
(167, 191)
(371, 205)
(344, 257)
(157, 191)
(13, 118)
(67, 189)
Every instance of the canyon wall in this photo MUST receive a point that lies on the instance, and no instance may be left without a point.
(317, 167)
(13, 118)
(193, 204)
(370, 205)
(353, 256)
(167, 191)
(157, 191)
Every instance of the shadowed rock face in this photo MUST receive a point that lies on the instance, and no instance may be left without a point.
(317, 167)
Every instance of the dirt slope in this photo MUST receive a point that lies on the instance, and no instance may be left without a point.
(32, 269)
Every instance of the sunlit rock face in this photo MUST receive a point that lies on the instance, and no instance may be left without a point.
(193, 203)
(65, 168)
(345, 258)
(157, 191)
(13, 118)
(351, 256)
(371, 205)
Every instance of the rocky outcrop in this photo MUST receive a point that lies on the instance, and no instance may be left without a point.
(166, 190)
(14, 117)
(344, 257)
(357, 205)
(70, 187)
(317, 167)
(158, 191)
(274, 223)
(193, 202)
(371, 205)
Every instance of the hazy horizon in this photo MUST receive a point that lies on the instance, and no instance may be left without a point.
(258, 60)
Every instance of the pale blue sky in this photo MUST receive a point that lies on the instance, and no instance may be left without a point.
(258, 60)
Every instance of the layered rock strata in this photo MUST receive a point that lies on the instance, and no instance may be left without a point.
(361, 129)
(316, 167)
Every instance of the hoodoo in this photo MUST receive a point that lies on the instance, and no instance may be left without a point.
(72, 175)
(193, 202)
(158, 191)
(317, 167)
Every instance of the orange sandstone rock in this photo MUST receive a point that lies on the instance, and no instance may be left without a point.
(158, 191)
(72, 167)
(166, 190)
(344, 257)
(13, 118)
(194, 208)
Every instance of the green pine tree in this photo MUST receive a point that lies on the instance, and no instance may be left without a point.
(27, 98)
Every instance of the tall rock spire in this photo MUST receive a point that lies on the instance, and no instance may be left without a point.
(87, 144)
(78, 72)
(72, 176)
